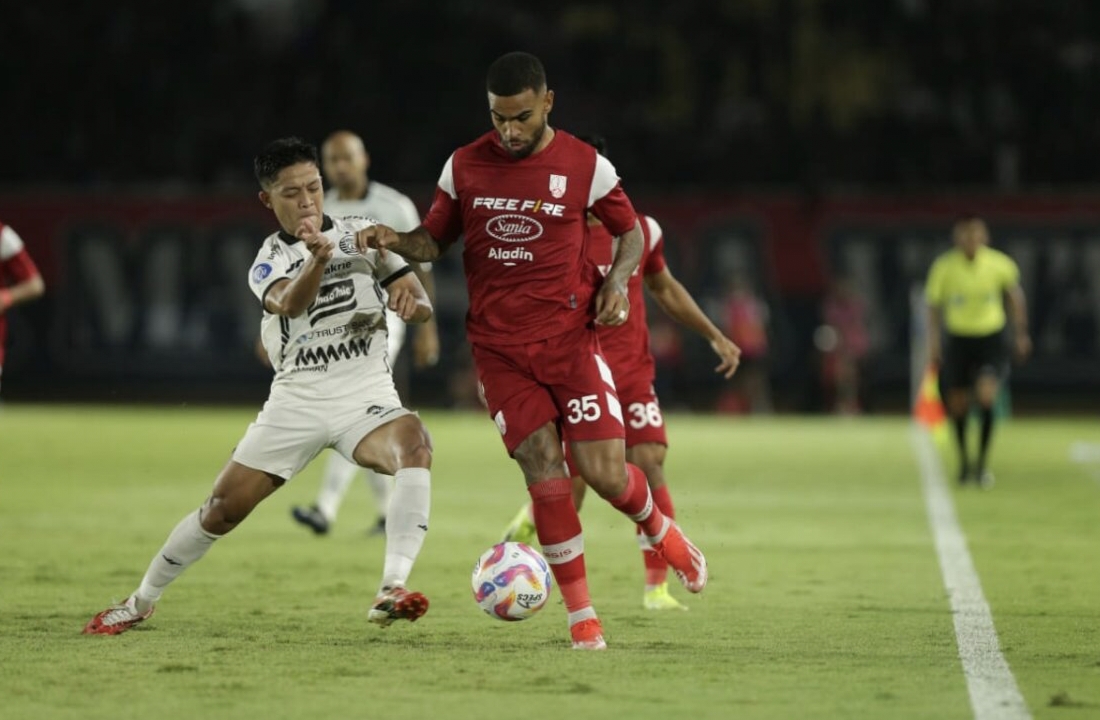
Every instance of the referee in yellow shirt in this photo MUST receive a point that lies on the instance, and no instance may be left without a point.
(967, 291)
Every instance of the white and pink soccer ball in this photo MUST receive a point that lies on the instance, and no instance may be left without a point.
(511, 581)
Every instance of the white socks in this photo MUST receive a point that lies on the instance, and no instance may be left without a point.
(339, 474)
(406, 523)
(187, 543)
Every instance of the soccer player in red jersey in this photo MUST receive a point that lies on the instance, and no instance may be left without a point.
(626, 349)
(520, 195)
(20, 280)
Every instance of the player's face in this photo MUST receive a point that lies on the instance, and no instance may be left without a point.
(971, 235)
(344, 162)
(296, 195)
(520, 120)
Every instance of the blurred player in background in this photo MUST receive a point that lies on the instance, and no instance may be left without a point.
(20, 280)
(324, 330)
(626, 349)
(346, 163)
(967, 290)
(520, 196)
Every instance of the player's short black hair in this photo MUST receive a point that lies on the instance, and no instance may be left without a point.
(596, 141)
(283, 153)
(514, 72)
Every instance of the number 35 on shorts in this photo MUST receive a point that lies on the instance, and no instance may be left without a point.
(644, 414)
(584, 409)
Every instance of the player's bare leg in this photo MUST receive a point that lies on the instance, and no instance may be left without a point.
(542, 461)
(402, 448)
(603, 464)
(986, 390)
(650, 458)
(237, 491)
(958, 407)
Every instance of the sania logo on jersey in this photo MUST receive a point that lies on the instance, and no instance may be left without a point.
(557, 185)
(514, 228)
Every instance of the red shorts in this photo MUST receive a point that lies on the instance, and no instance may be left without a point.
(642, 416)
(563, 379)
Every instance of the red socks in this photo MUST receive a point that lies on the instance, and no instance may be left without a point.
(656, 568)
(638, 505)
(559, 530)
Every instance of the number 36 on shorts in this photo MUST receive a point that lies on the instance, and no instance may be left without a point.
(643, 414)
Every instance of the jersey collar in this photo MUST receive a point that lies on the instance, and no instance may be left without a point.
(326, 225)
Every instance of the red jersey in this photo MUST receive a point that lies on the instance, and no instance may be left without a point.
(626, 346)
(16, 266)
(525, 224)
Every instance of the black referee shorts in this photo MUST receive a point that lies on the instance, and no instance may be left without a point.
(965, 358)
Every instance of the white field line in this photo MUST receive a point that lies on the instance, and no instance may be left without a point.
(994, 694)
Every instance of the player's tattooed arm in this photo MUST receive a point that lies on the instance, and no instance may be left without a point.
(612, 303)
(418, 244)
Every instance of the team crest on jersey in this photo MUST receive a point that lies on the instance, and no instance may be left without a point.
(260, 272)
(557, 185)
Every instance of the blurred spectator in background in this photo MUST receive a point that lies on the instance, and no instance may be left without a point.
(844, 341)
(746, 316)
(20, 280)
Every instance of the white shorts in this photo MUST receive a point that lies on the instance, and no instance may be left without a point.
(291, 429)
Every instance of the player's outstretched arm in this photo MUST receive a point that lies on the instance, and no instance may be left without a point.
(418, 244)
(21, 292)
(1017, 305)
(612, 303)
(292, 297)
(679, 305)
(409, 300)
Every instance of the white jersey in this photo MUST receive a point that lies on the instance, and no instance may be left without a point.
(325, 348)
(382, 204)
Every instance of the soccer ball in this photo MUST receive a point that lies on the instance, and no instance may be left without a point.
(511, 581)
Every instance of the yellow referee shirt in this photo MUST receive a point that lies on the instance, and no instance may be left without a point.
(971, 292)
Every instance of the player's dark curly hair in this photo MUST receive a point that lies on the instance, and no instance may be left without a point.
(280, 154)
(514, 72)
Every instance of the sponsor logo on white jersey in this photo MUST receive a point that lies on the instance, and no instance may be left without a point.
(514, 228)
(557, 185)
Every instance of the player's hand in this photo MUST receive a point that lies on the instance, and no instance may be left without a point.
(403, 302)
(1023, 346)
(377, 237)
(730, 354)
(425, 346)
(612, 304)
(318, 245)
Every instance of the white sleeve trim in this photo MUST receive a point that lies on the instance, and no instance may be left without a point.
(655, 232)
(604, 180)
(447, 178)
(10, 243)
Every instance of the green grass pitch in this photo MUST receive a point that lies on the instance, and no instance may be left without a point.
(825, 601)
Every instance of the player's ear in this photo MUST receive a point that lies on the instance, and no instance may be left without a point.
(549, 101)
(265, 199)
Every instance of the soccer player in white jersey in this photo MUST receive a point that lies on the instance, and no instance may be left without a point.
(346, 163)
(324, 331)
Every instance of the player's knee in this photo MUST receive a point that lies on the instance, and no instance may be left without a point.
(540, 455)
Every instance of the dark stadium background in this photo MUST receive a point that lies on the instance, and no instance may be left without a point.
(789, 141)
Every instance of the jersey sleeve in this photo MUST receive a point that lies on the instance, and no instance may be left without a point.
(933, 287)
(14, 257)
(409, 216)
(389, 268)
(444, 218)
(1010, 273)
(608, 201)
(655, 237)
(270, 266)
